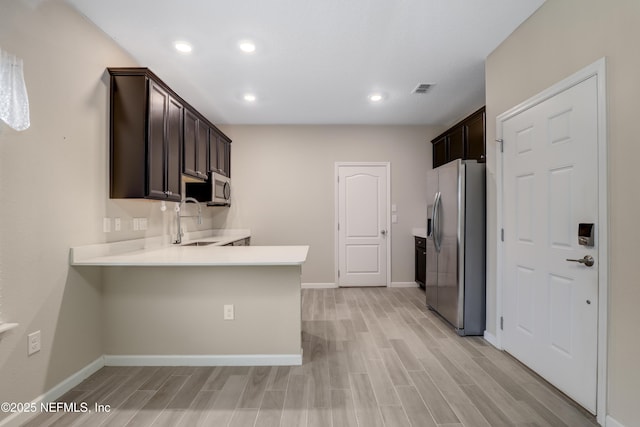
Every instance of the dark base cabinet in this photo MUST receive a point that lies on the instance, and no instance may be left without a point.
(465, 140)
(421, 260)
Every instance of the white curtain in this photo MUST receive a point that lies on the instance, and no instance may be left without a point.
(14, 102)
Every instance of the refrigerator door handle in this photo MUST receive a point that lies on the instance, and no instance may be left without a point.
(436, 222)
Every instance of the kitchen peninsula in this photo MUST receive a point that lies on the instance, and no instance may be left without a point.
(168, 304)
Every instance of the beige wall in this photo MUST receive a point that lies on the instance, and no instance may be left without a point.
(179, 311)
(562, 37)
(284, 183)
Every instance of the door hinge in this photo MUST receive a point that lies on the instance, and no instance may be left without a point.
(502, 234)
(501, 323)
(338, 226)
(338, 273)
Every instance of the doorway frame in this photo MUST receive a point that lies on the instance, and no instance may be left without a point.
(336, 217)
(597, 69)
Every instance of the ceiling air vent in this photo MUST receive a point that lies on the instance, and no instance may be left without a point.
(422, 88)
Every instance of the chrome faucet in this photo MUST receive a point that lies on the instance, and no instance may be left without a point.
(178, 216)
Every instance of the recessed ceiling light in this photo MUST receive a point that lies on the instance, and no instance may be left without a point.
(247, 46)
(249, 97)
(376, 97)
(183, 47)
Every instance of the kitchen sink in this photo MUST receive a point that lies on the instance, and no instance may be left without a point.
(200, 243)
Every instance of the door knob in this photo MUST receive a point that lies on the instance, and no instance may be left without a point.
(587, 260)
(383, 232)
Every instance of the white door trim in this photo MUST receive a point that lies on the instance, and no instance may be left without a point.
(597, 69)
(387, 166)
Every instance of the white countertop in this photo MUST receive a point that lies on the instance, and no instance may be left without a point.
(419, 232)
(149, 253)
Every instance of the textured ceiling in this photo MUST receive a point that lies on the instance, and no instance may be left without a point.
(317, 61)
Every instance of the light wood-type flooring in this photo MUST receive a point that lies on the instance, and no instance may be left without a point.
(372, 357)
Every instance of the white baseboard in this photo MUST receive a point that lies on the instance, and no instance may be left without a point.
(20, 418)
(205, 360)
(333, 285)
(610, 422)
(403, 285)
(491, 339)
(319, 285)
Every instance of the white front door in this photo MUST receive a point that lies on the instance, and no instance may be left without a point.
(550, 186)
(362, 200)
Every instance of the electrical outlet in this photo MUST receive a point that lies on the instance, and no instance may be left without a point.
(33, 342)
(117, 224)
(106, 225)
(228, 312)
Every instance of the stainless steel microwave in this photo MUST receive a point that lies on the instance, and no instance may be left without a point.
(220, 189)
(216, 191)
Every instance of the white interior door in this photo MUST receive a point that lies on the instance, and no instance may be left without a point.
(550, 186)
(362, 225)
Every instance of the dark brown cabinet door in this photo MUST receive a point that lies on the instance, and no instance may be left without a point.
(440, 152)
(173, 147)
(420, 261)
(189, 150)
(213, 151)
(158, 104)
(456, 144)
(475, 141)
(219, 153)
(202, 149)
(224, 157)
(196, 140)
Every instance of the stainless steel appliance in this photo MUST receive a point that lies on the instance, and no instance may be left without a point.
(215, 192)
(455, 276)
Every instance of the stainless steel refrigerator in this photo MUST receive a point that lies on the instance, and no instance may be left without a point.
(455, 277)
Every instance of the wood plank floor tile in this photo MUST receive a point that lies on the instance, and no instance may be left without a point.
(244, 418)
(415, 408)
(437, 404)
(200, 409)
(255, 388)
(319, 417)
(364, 401)
(381, 382)
(226, 401)
(395, 368)
(270, 412)
(343, 412)
(295, 402)
(394, 416)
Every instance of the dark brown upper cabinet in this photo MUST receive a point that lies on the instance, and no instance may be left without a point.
(465, 140)
(195, 146)
(156, 137)
(146, 137)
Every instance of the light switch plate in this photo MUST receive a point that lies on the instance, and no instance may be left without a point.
(117, 224)
(136, 224)
(228, 312)
(106, 225)
(33, 342)
(394, 219)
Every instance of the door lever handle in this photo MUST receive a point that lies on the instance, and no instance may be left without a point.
(587, 260)
(383, 232)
